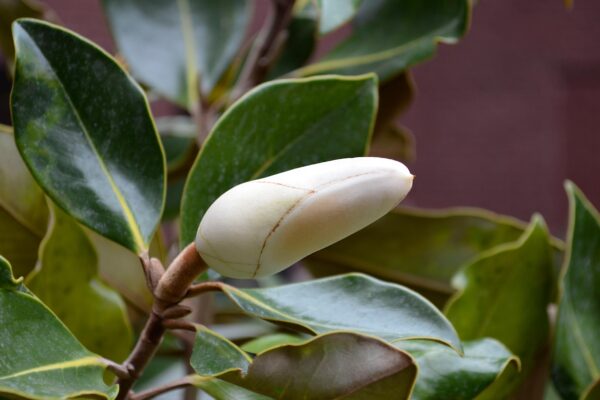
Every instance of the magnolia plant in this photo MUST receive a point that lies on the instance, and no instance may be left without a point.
(248, 244)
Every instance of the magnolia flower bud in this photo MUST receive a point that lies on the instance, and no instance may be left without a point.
(261, 227)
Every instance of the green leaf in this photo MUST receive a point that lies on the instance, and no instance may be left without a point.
(278, 126)
(301, 40)
(352, 302)
(222, 390)
(66, 280)
(192, 42)
(267, 342)
(389, 36)
(576, 363)
(10, 10)
(422, 249)
(506, 294)
(335, 13)
(41, 359)
(445, 374)
(84, 129)
(334, 365)
(214, 355)
(23, 210)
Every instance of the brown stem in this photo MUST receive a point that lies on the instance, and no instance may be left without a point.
(178, 384)
(170, 290)
(182, 272)
(261, 57)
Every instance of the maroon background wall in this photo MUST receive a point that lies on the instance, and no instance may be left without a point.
(502, 118)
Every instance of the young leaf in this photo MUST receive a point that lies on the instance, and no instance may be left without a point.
(23, 210)
(278, 126)
(505, 297)
(41, 359)
(333, 365)
(66, 280)
(193, 42)
(445, 374)
(576, 360)
(352, 302)
(389, 36)
(84, 129)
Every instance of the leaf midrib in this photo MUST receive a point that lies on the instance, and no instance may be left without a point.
(89, 361)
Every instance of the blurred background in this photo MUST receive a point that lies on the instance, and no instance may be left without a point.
(500, 119)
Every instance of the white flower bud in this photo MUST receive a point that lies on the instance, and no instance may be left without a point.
(261, 227)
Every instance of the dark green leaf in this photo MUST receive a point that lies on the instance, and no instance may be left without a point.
(423, 249)
(349, 302)
(576, 363)
(334, 365)
(301, 40)
(176, 47)
(506, 294)
(267, 342)
(391, 35)
(23, 211)
(40, 358)
(84, 129)
(278, 126)
(66, 280)
(443, 374)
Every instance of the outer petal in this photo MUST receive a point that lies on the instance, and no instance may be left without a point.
(262, 227)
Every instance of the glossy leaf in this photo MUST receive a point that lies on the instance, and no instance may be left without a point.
(423, 249)
(334, 365)
(349, 302)
(193, 42)
(335, 13)
(10, 10)
(267, 342)
(389, 36)
(23, 211)
(41, 359)
(505, 296)
(576, 363)
(222, 390)
(84, 129)
(67, 275)
(278, 126)
(300, 42)
(443, 374)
